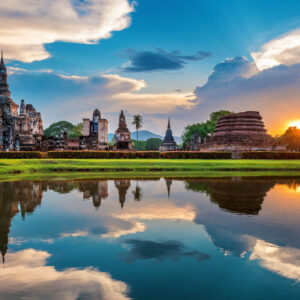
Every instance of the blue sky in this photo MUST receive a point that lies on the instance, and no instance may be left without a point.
(150, 57)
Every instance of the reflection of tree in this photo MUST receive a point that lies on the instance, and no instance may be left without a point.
(137, 193)
(295, 186)
(238, 195)
(122, 185)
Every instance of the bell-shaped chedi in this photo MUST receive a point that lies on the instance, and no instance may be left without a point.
(168, 143)
(122, 135)
(240, 131)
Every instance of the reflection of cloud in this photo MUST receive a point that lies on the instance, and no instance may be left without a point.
(162, 211)
(284, 261)
(74, 234)
(282, 50)
(26, 274)
(147, 212)
(116, 232)
(160, 250)
(26, 26)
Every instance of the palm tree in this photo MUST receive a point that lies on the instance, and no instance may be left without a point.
(137, 194)
(138, 122)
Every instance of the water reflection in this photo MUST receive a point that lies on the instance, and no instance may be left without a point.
(157, 221)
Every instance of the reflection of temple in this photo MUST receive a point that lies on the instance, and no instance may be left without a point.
(168, 184)
(26, 194)
(98, 190)
(238, 195)
(122, 185)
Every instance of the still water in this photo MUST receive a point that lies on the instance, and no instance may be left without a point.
(233, 238)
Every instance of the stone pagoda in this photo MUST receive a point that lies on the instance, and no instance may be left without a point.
(169, 143)
(239, 132)
(122, 135)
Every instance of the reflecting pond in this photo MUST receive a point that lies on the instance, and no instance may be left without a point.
(230, 238)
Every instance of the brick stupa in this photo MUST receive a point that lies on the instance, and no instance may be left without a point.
(239, 132)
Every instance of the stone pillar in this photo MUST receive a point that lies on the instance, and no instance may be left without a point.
(86, 127)
(102, 131)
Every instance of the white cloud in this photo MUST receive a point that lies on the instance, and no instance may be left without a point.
(284, 261)
(26, 26)
(282, 50)
(27, 274)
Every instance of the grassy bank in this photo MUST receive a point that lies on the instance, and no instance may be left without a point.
(45, 168)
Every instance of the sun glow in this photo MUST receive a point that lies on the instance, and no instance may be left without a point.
(295, 123)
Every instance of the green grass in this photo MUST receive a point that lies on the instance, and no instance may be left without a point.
(92, 168)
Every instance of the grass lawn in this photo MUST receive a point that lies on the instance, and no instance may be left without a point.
(81, 168)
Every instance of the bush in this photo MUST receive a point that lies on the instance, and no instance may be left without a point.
(195, 155)
(270, 155)
(103, 154)
(22, 154)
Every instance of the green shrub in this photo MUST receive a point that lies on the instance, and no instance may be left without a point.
(22, 154)
(270, 155)
(195, 155)
(103, 154)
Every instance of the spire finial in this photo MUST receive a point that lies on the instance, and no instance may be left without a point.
(169, 125)
(2, 60)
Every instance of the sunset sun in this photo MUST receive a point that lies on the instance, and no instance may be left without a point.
(295, 123)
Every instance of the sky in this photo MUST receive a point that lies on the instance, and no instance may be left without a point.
(158, 58)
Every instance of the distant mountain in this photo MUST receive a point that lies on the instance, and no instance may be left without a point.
(144, 135)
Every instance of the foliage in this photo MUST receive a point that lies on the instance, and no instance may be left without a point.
(57, 128)
(139, 145)
(291, 138)
(77, 130)
(138, 122)
(137, 194)
(153, 144)
(195, 155)
(102, 154)
(270, 155)
(21, 154)
(203, 129)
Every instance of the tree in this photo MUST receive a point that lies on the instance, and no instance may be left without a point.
(57, 128)
(291, 138)
(137, 194)
(77, 130)
(153, 144)
(139, 145)
(204, 129)
(138, 122)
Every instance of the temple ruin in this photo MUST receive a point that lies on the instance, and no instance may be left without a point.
(19, 129)
(122, 135)
(168, 143)
(244, 131)
(94, 133)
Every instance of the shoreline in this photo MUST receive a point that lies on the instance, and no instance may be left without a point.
(34, 169)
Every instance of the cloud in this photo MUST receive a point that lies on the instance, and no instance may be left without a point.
(27, 26)
(147, 61)
(273, 91)
(55, 94)
(27, 274)
(283, 50)
(160, 251)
